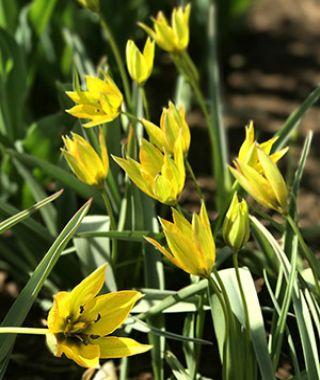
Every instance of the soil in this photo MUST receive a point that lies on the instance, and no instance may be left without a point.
(273, 66)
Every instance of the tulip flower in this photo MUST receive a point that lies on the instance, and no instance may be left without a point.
(248, 154)
(266, 186)
(235, 228)
(80, 322)
(139, 64)
(159, 175)
(172, 124)
(191, 245)
(84, 161)
(100, 103)
(172, 38)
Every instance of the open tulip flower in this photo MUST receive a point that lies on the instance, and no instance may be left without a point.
(174, 38)
(248, 153)
(172, 124)
(100, 103)
(84, 161)
(139, 64)
(159, 175)
(267, 185)
(81, 321)
(191, 245)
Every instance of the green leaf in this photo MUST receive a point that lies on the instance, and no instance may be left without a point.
(13, 85)
(48, 213)
(29, 293)
(58, 173)
(177, 368)
(257, 330)
(137, 236)
(22, 215)
(40, 14)
(94, 251)
(294, 119)
(139, 325)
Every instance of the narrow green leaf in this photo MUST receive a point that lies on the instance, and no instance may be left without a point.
(294, 119)
(94, 251)
(22, 215)
(257, 329)
(48, 213)
(137, 236)
(139, 325)
(40, 13)
(59, 174)
(177, 368)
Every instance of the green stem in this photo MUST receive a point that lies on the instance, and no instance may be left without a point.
(118, 59)
(131, 116)
(113, 225)
(193, 177)
(24, 330)
(145, 103)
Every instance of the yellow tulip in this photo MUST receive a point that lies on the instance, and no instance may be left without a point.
(100, 103)
(159, 175)
(191, 245)
(84, 161)
(267, 185)
(248, 154)
(139, 64)
(81, 321)
(172, 38)
(172, 124)
(235, 228)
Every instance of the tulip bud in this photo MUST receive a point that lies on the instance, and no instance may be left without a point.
(139, 64)
(84, 161)
(235, 228)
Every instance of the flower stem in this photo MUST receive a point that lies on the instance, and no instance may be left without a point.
(113, 225)
(23, 330)
(145, 103)
(118, 58)
(194, 180)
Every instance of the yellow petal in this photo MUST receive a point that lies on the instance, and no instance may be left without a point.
(181, 222)
(183, 249)
(164, 251)
(110, 311)
(86, 290)
(114, 347)
(84, 355)
(275, 179)
(156, 135)
(104, 151)
(150, 157)
(133, 169)
(255, 184)
(59, 311)
(148, 53)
